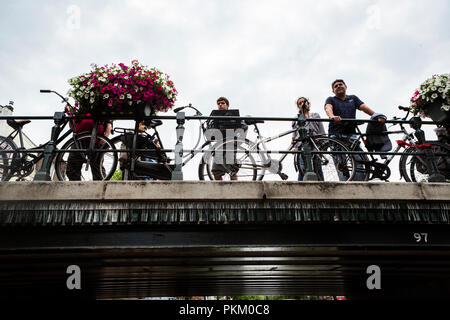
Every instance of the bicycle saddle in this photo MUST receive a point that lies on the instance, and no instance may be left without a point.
(250, 122)
(16, 124)
(153, 123)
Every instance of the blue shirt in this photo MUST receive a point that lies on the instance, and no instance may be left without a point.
(346, 109)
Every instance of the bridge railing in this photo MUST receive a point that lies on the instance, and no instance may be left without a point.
(59, 118)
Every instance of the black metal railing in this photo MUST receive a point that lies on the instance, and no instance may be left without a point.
(60, 118)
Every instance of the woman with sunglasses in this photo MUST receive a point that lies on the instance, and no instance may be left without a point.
(314, 128)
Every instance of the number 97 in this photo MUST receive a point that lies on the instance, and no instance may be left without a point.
(421, 237)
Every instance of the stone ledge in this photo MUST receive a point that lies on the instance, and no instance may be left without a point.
(236, 190)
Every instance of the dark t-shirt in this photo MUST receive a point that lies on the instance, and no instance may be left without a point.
(345, 109)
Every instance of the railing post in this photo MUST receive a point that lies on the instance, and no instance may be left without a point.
(177, 173)
(310, 175)
(44, 172)
(430, 160)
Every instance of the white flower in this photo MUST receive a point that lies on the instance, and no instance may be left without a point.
(86, 96)
(433, 88)
(122, 97)
(445, 107)
(130, 102)
(129, 96)
(434, 95)
(92, 100)
(106, 96)
(82, 88)
(92, 93)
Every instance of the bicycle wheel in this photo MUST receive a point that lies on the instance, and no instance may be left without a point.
(331, 167)
(73, 165)
(414, 167)
(122, 158)
(236, 163)
(6, 158)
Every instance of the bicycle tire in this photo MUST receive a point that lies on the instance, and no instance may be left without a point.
(6, 159)
(413, 167)
(118, 173)
(329, 167)
(244, 165)
(362, 170)
(106, 161)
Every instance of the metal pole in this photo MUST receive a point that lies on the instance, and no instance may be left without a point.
(177, 173)
(310, 175)
(44, 172)
(430, 160)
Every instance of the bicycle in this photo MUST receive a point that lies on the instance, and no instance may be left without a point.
(142, 155)
(18, 163)
(414, 164)
(252, 160)
(370, 168)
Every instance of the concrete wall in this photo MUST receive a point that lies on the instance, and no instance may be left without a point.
(235, 190)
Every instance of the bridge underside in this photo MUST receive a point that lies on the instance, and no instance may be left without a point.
(135, 240)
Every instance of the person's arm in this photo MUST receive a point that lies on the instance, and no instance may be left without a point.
(330, 114)
(108, 128)
(364, 108)
(320, 125)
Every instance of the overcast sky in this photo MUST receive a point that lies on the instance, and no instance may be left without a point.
(262, 55)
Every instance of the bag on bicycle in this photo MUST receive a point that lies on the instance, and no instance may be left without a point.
(143, 142)
(376, 139)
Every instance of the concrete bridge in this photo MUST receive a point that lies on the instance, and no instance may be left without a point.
(142, 239)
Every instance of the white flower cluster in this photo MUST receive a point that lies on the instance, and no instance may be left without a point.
(437, 87)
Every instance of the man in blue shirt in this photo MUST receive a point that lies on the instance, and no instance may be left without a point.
(343, 106)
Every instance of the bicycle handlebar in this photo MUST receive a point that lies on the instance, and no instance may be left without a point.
(51, 91)
(198, 113)
(404, 108)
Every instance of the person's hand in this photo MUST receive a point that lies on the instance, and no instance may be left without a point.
(381, 120)
(336, 118)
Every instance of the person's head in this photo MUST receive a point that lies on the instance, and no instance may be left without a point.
(303, 105)
(339, 87)
(223, 103)
(143, 126)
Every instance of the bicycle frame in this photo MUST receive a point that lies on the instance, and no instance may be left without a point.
(274, 165)
(406, 137)
(36, 158)
(186, 158)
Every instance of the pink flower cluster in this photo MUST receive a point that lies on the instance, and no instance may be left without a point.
(121, 88)
(415, 98)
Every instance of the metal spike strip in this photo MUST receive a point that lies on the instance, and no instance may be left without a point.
(219, 212)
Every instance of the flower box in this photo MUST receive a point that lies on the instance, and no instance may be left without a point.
(122, 90)
(432, 99)
(435, 112)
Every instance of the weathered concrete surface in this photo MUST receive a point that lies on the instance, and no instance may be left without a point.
(236, 190)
